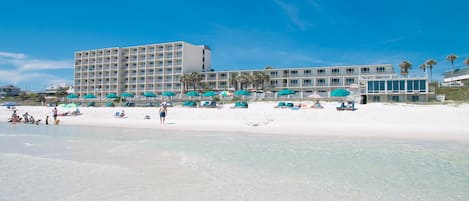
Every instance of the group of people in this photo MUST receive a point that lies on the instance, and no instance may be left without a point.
(163, 111)
(29, 119)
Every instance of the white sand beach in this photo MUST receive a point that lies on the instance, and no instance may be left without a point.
(447, 122)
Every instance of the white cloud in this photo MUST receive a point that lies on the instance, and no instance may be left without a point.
(19, 69)
(292, 11)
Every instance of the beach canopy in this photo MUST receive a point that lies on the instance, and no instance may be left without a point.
(109, 104)
(127, 95)
(286, 92)
(242, 93)
(209, 94)
(168, 93)
(111, 95)
(226, 93)
(339, 93)
(149, 94)
(89, 96)
(192, 93)
(72, 96)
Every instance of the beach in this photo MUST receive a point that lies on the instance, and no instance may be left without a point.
(380, 152)
(446, 122)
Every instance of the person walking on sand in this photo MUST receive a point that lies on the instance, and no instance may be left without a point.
(163, 112)
(54, 113)
(47, 120)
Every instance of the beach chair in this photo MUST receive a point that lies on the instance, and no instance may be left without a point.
(241, 105)
(351, 107)
(289, 105)
(280, 105)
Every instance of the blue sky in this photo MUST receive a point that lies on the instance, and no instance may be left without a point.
(38, 38)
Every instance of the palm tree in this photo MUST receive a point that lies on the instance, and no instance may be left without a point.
(185, 80)
(405, 66)
(430, 63)
(233, 81)
(243, 80)
(423, 67)
(451, 59)
(195, 79)
(466, 61)
(61, 92)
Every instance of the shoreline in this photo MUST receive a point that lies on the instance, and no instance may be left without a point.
(395, 121)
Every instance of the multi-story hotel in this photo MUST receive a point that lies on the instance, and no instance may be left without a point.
(158, 68)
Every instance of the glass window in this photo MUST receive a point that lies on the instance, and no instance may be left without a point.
(335, 71)
(410, 85)
(321, 71)
(423, 85)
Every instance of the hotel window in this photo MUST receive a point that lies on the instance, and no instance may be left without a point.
(273, 82)
(380, 69)
(350, 80)
(349, 70)
(321, 82)
(335, 81)
(321, 71)
(294, 72)
(273, 74)
(307, 72)
(335, 71)
(222, 83)
(365, 70)
(294, 82)
(307, 82)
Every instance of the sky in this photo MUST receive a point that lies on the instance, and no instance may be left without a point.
(38, 38)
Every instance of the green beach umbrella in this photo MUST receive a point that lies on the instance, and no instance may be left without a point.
(192, 93)
(339, 93)
(149, 94)
(89, 96)
(72, 96)
(286, 92)
(127, 95)
(111, 96)
(209, 94)
(242, 93)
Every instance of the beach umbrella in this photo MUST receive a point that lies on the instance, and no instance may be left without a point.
(339, 93)
(209, 94)
(72, 96)
(149, 94)
(127, 95)
(192, 93)
(242, 93)
(286, 92)
(89, 96)
(111, 96)
(168, 93)
(109, 104)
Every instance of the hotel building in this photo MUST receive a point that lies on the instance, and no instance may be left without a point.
(158, 68)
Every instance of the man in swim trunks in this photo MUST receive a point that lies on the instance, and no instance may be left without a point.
(163, 112)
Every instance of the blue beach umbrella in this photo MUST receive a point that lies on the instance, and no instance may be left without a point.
(286, 92)
(111, 96)
(192, 93)
(149, 94)
(209, 94)
(339, 93)
(89, 96)
(127, 95)
(242, 93)
(72, 96)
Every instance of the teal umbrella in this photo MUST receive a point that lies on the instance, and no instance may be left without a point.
(286, 92)
(111, 96)
(127, 95)
(72, 96)
(339, 93)
(109, 104)
(149, 94)
(89, 96)
(242, 93)
(168, 93)
(209, 94)
(192, 93)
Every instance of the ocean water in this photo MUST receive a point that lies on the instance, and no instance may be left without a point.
(87, 163)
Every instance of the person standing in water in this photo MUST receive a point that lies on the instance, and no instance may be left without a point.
(54, 113)
(163, 112)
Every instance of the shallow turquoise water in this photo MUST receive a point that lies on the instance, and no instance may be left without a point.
(86, 163)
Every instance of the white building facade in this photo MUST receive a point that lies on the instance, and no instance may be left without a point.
(138, 69)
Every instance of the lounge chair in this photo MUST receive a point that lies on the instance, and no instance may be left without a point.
(189, 104)
(289, 105)
(280, 105)
(241, 105)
